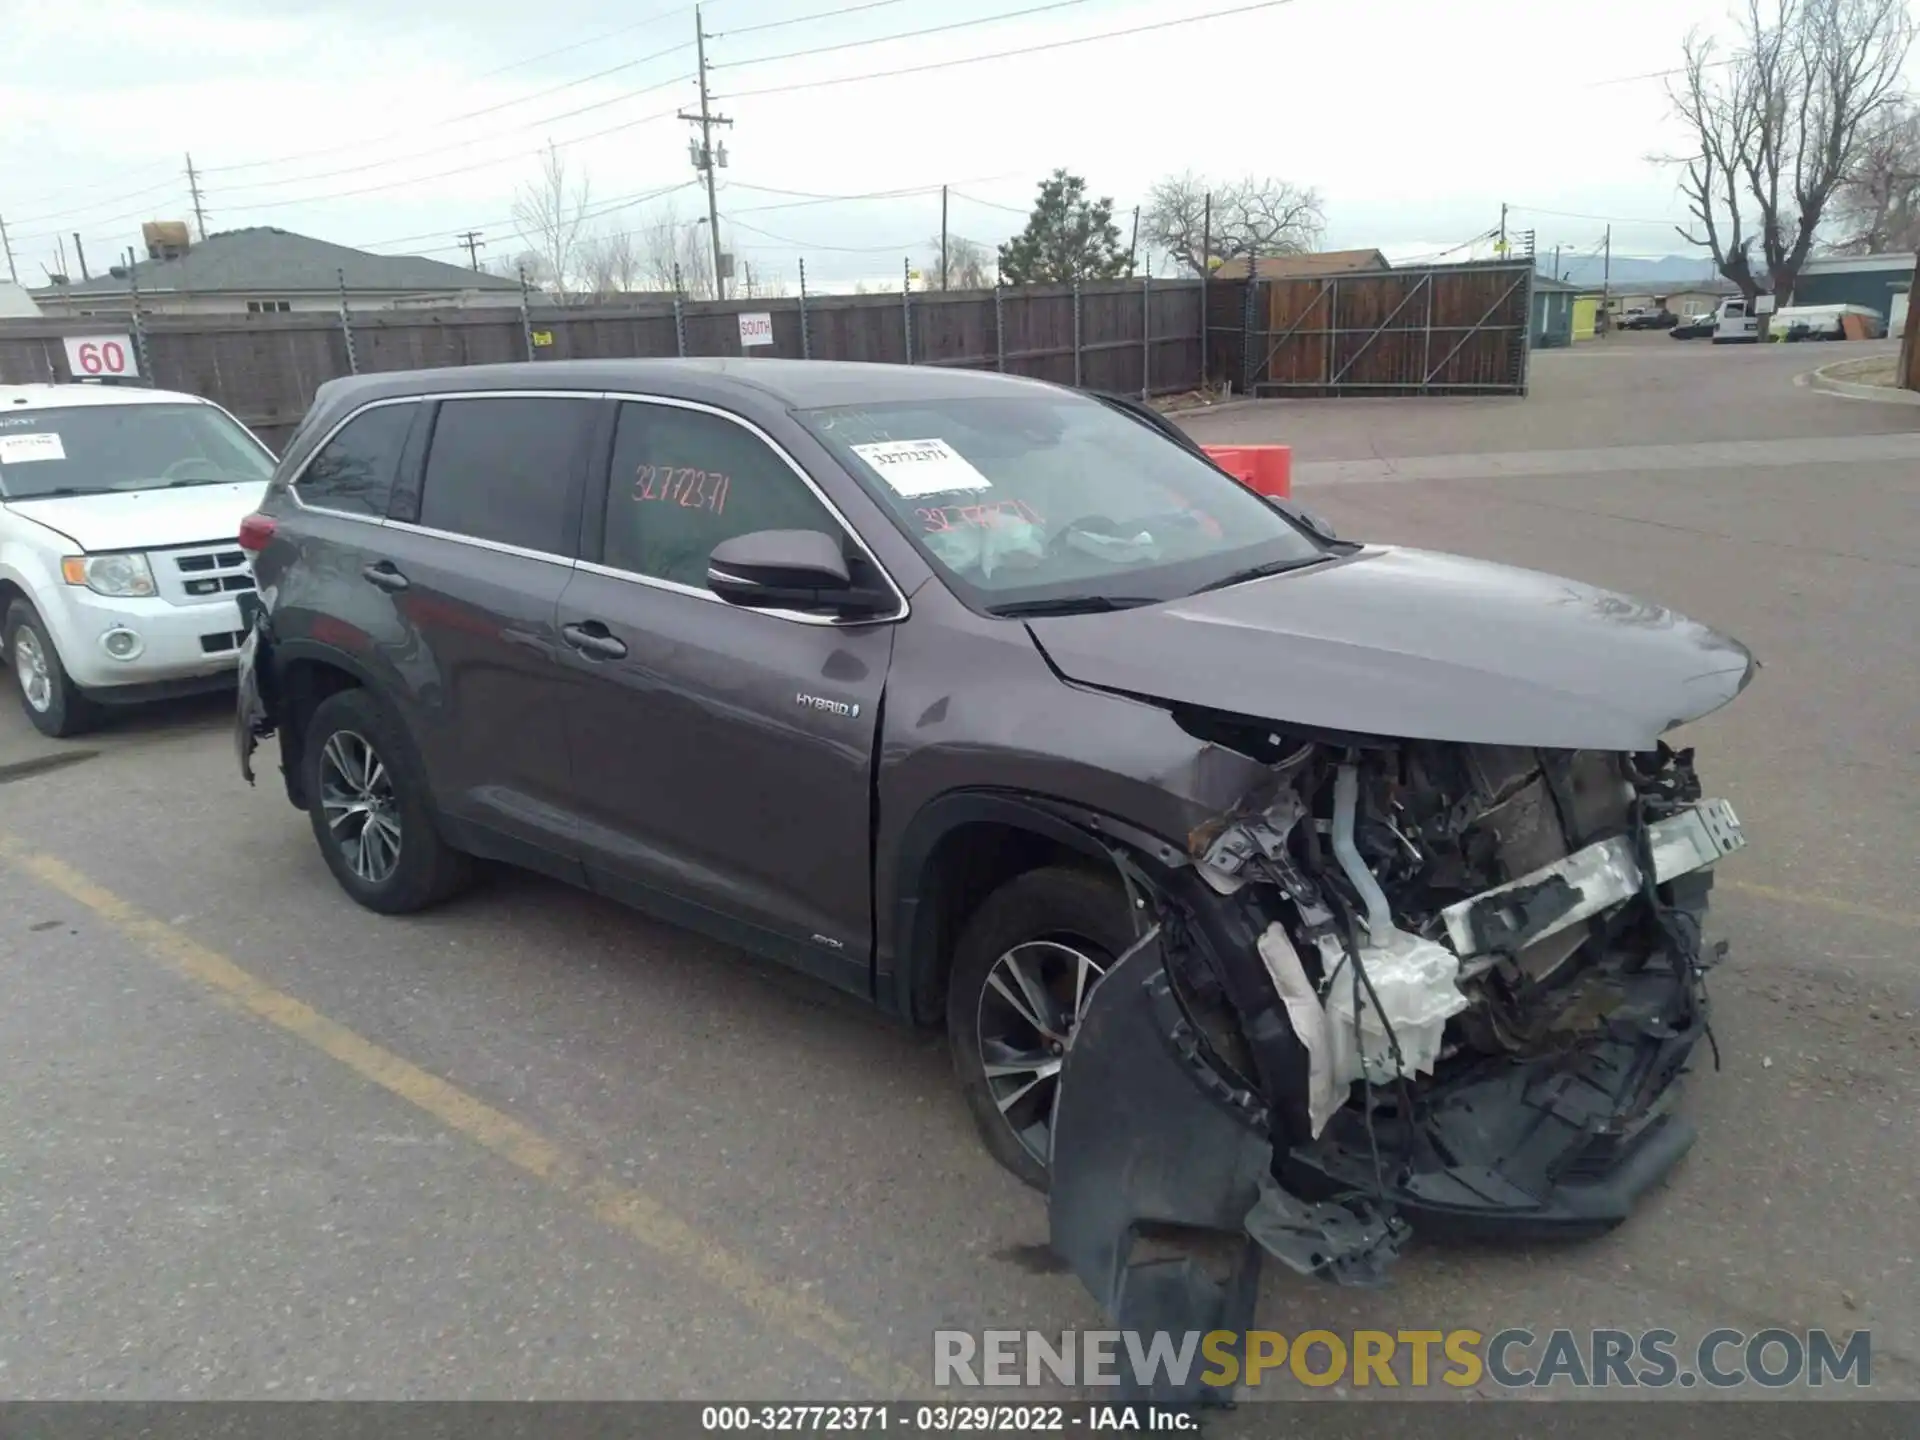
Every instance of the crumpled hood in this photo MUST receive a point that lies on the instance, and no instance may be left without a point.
(1416, 645)
(147, 519)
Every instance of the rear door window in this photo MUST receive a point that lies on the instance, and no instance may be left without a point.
(684, 480)
(353, 472)
(509, 470)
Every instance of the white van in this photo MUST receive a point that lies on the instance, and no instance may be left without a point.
(1734, 323)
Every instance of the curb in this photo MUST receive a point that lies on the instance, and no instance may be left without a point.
(1882, 394)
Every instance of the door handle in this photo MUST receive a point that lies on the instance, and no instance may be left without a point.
(592, 638)
(382, 573)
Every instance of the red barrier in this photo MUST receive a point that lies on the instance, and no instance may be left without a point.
(1263, 469)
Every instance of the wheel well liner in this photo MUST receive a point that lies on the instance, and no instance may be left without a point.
(305, 674)
(962, 846)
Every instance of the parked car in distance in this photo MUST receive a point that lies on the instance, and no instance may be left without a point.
(1002, 707)
(1693, 327)
(118, 565)
(1646, 318)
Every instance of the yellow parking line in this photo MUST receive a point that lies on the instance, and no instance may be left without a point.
(625, 1209)
(1826, 902)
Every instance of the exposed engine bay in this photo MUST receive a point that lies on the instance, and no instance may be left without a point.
(1406, 985)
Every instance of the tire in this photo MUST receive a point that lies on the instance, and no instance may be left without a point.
(1042, 921)
(405, 865)
(54, 704)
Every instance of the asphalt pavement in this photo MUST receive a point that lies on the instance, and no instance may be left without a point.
(255, 1141)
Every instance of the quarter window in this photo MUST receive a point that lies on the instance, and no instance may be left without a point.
(354, 470)
(507, 470)
(684, 480)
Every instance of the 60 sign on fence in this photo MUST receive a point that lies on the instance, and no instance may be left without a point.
(100, 356)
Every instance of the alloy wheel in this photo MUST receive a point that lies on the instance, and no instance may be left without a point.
(362, 812)
(1033, 999)
(30, 664)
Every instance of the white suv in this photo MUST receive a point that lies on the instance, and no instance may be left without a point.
(120, 514)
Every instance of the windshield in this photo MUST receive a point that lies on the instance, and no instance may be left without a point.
(92, 449)
(1029, 499)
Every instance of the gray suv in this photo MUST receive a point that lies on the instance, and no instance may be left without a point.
(1264, 882)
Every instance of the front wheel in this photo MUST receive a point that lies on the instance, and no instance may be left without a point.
(1023, 971)
(370, 809)
(52, 701)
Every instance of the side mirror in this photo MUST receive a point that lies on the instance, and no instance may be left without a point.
(789, 570)
(1319, 524)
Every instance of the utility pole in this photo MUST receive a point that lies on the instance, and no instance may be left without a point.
(943, 237)
(704, 155)
(1606, 277)
(1503, 228)
(1133, 245)
(7, 245)
(471, 239)
(80, 252)
(1556, 263)
(193, 189)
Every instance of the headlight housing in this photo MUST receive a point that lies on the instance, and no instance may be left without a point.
(125, 576)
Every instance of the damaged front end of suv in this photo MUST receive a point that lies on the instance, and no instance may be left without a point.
(1409, 984)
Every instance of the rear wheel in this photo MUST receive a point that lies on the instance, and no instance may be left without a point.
(52, 701)
(369, 806)
(1023, 971)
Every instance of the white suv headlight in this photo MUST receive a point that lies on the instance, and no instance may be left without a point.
(127, 576)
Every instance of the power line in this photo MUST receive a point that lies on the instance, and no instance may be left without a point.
(990, 204)
(1008, 54)
(807, 198)
(1657, 74)
(1580, 215)
(1441, 254)
(603, 36)
(443, 123)
(803, 19)
(814, 245)
(83, 209)
(902, 35)
(426, 154)
(621, 98)
(456, 170)
(592, 213)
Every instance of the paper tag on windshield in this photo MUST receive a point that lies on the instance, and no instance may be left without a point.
(41, 445)
(921, 467)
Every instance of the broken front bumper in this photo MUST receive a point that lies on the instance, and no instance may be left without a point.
(1162, 1160)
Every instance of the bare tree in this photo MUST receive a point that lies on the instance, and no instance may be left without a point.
(969, 265)
(668, 243)
(1250, 217)
(1778, 122)
(1877, 206)
(551, 216)
(610, 263)
(530, 263)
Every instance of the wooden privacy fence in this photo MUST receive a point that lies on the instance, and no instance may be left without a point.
(1137, 337)
(1443, 330)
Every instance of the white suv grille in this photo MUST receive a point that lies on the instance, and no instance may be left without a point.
(202, 573)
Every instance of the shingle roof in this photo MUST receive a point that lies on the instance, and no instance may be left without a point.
(263, 259)
(1321, 262)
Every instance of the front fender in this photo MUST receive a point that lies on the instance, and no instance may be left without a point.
(912, 956)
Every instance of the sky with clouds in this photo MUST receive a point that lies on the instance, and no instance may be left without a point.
(394, 126)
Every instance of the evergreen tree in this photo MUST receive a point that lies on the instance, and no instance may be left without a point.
(1068, 237)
